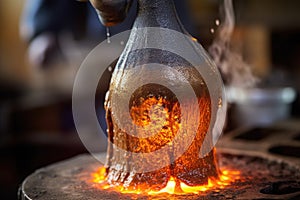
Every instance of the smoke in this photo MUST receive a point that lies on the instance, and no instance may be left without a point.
(233, 68)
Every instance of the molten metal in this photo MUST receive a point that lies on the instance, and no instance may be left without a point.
(225, 179)
(156, 109)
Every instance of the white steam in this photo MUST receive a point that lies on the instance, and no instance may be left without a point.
(231, 64)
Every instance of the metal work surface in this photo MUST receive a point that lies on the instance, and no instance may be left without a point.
(262, 177)
(280, 140)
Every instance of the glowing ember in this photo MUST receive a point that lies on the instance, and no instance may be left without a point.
(226, 177)
(157, 112)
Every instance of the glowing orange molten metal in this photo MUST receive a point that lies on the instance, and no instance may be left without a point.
(157, 111)
(226, 177)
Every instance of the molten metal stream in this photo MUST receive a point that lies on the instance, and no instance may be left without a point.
(225, 179)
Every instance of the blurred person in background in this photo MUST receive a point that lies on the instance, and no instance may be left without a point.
(46, 21)
(55, 29)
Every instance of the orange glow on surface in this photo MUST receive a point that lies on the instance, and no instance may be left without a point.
(226, 177)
